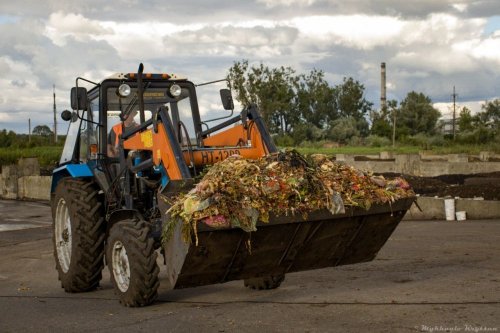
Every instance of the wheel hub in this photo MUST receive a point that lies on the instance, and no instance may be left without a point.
(121, 266)
(62, 235)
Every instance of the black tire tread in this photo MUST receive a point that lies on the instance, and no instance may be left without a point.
(144, 281)
(88, 232)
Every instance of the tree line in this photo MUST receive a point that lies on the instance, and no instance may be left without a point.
(303, 108)
(481, 127)
(41, 135)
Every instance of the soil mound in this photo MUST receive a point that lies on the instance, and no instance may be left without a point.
(463, 186)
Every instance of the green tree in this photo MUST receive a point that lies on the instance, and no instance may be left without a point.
(416, 115)
(279, 98)
(465, 120)
(7, 139)
(306, 132)
(42, 130)
(286, 99)
(273, 90)
(383, 120)
(482, 127)
(343, 129)
(381, 123)
(315, 99)
(381, 127)
(349, 101)
(492, 114)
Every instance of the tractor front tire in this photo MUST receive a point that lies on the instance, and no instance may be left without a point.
(265, 283)
(78, 234)
(131, 259)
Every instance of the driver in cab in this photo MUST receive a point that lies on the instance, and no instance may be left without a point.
(116, 132)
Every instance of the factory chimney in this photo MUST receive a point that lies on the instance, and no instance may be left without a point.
(383, 88)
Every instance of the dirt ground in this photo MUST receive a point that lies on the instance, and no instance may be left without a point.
(431, 276)
(485, 185)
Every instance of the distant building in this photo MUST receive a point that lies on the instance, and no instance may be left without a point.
(446, 126)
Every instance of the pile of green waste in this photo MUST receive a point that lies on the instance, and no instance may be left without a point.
(240, 192)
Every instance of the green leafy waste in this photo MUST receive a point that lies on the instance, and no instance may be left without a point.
(238, 193)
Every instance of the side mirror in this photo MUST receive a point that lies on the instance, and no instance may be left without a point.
(66, 115)
(79, 98)
(227, 99)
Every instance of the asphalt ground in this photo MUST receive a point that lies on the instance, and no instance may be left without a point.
(431, 276)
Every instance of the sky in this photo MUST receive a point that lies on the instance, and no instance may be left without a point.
(428, 46)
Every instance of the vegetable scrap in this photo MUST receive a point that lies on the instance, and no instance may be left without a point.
(239, 192)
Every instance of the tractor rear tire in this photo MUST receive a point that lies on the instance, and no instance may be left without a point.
(78, 234)
(131, 259)
(265, 283)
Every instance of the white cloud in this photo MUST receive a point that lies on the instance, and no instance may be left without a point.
(142, 39)
(436, 60)
(446, 108)
(231, 41)
(18, 103)
(61, 25)
(360, 31)
(461, 7)
(487, 48)
(278, 3)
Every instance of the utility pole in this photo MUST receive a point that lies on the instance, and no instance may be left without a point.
(454, 111)
(393, 127)
(29, 129)
(55, 118)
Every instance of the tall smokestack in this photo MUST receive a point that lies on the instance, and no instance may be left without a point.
(383, 88)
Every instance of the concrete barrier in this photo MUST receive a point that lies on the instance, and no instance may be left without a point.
(8, 182)
(34, 187)
(23, 181)
(28, 167)
(434, 209)
(479, 209)
(415, 164)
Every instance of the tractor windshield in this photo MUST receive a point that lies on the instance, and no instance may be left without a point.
(180, 109)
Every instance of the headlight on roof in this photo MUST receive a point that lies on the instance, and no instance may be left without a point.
(124, 90)
(175, 90)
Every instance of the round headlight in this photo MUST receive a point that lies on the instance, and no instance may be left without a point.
(175, 90)
(124, 90)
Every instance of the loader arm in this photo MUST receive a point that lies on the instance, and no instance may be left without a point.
(250, 140)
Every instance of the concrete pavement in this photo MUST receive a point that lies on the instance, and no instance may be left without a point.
(430, 276)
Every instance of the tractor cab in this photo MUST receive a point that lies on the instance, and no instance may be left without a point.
(117, 99)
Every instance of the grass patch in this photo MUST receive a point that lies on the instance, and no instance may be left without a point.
(47, 156)
(364, 150)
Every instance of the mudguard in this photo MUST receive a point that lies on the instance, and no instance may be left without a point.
(69, 170)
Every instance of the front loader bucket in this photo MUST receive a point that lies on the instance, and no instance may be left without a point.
(285, 244)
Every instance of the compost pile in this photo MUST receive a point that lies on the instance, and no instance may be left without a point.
(239, 192)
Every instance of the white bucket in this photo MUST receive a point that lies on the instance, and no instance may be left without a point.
(449, 209)
(461, 215)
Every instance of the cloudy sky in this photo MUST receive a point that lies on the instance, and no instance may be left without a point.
(429, 45)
